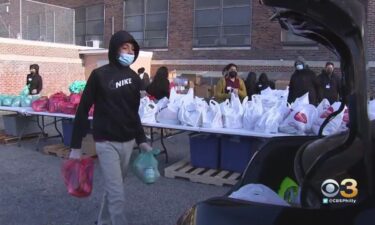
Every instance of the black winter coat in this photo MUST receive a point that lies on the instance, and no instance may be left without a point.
(303, 81)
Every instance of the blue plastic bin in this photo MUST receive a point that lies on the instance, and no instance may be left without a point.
(204, 151)
(235, 153)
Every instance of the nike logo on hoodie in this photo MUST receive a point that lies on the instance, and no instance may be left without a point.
(117, 84)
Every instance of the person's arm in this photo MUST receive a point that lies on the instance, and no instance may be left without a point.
(291, 96)
(81, 122)
(220, 94)
(39, 85)
(27, 80)
(242, 91)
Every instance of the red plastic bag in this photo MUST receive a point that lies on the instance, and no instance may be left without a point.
(55, 102)
(68, 108)
(78, 176)
(59, 95)
(75, 98)
(40, 105)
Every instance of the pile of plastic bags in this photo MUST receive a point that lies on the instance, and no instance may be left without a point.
(22, 100)
(268, 112)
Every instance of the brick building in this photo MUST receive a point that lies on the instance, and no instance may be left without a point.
(201, 36)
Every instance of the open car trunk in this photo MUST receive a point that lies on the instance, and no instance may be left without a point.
(339, 25)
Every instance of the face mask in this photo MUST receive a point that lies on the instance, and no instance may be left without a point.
(232, 74)
(329, 70)
(125, 59)
(32, 71)
(299, 67)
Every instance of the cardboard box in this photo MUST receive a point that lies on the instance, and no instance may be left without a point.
(203, 91)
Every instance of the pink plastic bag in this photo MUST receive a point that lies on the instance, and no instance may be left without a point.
(75, 98)
(67, 108)
(40, 105)
(78, 176)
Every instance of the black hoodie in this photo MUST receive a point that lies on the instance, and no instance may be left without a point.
(34, 80)
(115, 91)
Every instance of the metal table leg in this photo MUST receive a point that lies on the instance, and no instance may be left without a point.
(57, 129)
(162, 143)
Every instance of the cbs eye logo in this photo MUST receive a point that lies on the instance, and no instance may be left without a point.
(347, 188)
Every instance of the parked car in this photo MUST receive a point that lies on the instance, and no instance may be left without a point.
(311, 161)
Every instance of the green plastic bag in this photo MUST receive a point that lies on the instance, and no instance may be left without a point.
(7, 101)
(146, 166)
(289, 191)
(25, 91)
(16, 102)
(77, 86)
(26, 101)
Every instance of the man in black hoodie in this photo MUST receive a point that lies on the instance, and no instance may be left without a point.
(303, 80)
(329, 84)
(115, 90)
(34, 80)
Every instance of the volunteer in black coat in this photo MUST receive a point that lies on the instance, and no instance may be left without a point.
(34, 80)
(115, 90)
(303, 80)
(329, 84)
(264, 83)
(250, 84)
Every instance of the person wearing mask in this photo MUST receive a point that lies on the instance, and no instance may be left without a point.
(144, 77)
(115, 90)
(159, 87)
(329, 84)
(264, 83)
(34, 80)
(230, 83)
(303, 80)
(250, 84)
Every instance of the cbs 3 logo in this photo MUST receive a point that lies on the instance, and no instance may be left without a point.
(347, 188)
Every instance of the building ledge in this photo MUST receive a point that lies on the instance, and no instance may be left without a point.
(42, 44)
(220, 48)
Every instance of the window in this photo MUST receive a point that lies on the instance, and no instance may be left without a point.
(222, 23)
(89, 24)
(290, 39)
(147, 21)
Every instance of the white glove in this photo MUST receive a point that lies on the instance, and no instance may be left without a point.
(145, 147)
(75, 153)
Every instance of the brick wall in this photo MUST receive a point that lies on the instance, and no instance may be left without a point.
(59, 65)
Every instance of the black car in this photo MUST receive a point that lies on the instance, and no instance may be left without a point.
(347, 157)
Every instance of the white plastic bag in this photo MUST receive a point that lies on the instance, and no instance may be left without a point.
(162, 103)
(147, 110)
(191, 109)
(300, 120)
(232, 112)
(303, 100)
(253, 110)
(334, 125)
(258, 193)
(323, 106)
(371, 110)
(212, 117)
(169, 114)
(270, 121)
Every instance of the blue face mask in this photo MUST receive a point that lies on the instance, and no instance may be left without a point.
(125, 59)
